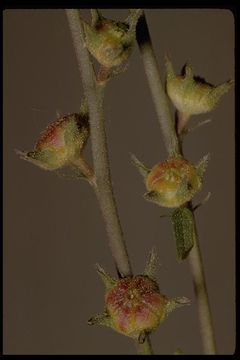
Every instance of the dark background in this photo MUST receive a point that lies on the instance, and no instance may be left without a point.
(53, 230)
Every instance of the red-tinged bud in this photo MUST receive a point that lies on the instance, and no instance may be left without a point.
(60, 143)
(173, 182)
(134, 305)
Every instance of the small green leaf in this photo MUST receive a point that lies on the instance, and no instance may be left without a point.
(183, 228)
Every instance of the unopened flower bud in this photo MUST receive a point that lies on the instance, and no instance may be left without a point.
(134, 305)
(190, 95)
(60, 143)
(109, 41)
(175, 181)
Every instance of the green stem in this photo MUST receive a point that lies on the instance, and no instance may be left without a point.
(173, 145)
(86, 169)
(104, 189)
(145, 348)
(182, 122)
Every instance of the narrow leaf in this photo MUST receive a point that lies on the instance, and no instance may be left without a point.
(183, 228)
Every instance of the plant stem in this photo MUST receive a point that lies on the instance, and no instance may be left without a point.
(173, 146)
(200, 288)
(104, 189)
(99, 147)
(182, 122)
(86, 169)
(145, 348)
(156, 87)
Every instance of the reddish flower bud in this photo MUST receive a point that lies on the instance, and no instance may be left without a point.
(134, 305)
(60, 143)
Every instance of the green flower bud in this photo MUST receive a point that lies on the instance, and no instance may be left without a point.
(109, 41)
(190, 95)
(60, 143)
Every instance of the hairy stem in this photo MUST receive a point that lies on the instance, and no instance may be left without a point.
(99, 147)
(156, 87)
(103, 188)
(200, 288)
(173, 145)
(86, 169)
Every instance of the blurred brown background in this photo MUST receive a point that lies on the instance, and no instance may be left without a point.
(53, 230)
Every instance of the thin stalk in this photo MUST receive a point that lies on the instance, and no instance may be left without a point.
(145, 348)
(182, 122)
(99, 147)
(156, 87)
(173, 146)
(200, 288)
(104, 190)
(86, 169)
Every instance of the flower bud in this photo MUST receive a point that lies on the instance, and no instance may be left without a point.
(192, 96)
(173, 182)
(134, 305)
(110, 42)
(60, 143)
